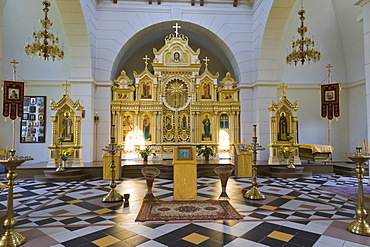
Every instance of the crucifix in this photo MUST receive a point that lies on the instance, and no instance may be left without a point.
(177, 28)
(14, 62)
(329, 72)
(146, 58)
(284, 87)
(206, 60)
(66, 84)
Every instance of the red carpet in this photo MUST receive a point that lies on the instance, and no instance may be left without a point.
(187, 210)
(350, 192)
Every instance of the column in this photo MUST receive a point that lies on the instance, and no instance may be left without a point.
(365, 18)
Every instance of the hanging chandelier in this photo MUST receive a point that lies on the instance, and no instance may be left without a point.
(303, 49)
(45, 43)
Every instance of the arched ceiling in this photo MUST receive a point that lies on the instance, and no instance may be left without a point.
(130, 58)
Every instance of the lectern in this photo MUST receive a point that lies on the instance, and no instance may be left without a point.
(184, 174)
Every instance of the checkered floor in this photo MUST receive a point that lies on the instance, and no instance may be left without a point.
(296, 212)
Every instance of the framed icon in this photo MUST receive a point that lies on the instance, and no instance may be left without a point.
(33, 121)
(184, 153)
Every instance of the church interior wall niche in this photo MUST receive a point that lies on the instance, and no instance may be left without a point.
(33, 120)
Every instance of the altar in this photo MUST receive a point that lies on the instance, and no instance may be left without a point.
(175, 101)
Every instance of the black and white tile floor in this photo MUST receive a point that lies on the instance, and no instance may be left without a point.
(296, 212)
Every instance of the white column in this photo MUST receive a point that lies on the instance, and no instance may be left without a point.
(365, 18)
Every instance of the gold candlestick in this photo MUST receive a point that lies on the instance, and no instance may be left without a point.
(360, 225)
(254, 193)
(11, 237)
(291, 151)
(60, 167)
(113, 195)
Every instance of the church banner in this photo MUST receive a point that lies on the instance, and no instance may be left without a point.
(13, 99)
(330, 100)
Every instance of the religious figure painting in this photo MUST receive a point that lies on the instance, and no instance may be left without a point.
(123, 95)
(13, 93)
(176, 57)
(146, 91)
(127, 125)
(184, 122)
(206, 91)
(224, 121)
(146, 127)
(206, 135)
(168, 121)
(283, 128)
(67, 127)
(227, 96)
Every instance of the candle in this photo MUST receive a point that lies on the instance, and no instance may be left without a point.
(254, 130)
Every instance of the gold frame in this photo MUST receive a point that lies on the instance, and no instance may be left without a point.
(188, 151)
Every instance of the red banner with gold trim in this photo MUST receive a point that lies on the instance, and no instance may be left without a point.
(330, 100)
(13, 99)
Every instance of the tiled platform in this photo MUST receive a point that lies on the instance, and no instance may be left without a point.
(296, 212)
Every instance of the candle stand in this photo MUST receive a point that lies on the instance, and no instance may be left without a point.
(60, 167)
(291, 151)
(254, 193)
(11, 237)
(113, 195)
(360, 225)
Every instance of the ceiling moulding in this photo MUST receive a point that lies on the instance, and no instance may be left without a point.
(361, 3)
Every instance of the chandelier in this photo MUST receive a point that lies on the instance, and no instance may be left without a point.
(45, 43)
(303, 47)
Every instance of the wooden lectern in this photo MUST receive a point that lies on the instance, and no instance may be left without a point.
(243, 161)
(184, 174)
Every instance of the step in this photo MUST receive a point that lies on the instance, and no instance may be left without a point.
(42, 178)
(297, 169)
(67, 172)
(288, 175)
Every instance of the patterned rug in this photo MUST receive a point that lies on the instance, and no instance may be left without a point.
(187, 210)
(350, 192)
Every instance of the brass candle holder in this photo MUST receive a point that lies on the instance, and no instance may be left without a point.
(113, 195)
(60, 167)
(254, 193)
(11, 237)
(360, 225)
(291, 156)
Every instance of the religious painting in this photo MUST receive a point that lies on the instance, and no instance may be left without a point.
(127, 125)
(146, 89)
(206, 130)
(123, 95)
(67, 126)
(176, 56)
(227, 96)
(224, 121)
(206, 90)
(283, 127)
(13, 93)
(32, 126)
(184, 121)
(146, 127)
(184, 153)
(169, 121)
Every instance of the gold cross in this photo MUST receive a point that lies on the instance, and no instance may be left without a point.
(206, 60)
(66, 84)
(14, 62)
(185, 181)
(329, 71)
(284, 87)
(146, 58)
(177, 28)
